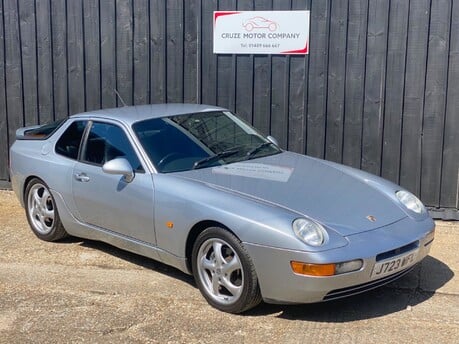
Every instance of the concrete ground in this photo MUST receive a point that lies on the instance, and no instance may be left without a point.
(86, 291)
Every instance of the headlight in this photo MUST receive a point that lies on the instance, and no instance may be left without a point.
(410, 201)
(309, 231)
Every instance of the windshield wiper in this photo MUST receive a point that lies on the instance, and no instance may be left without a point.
(215, 157)
(258, 148)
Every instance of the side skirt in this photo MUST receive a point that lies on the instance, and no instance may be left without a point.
(79, 229)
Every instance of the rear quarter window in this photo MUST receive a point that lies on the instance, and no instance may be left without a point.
(69, 143)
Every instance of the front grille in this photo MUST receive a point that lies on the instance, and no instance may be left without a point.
(356, 289)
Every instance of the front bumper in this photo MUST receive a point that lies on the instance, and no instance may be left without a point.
(279, 284)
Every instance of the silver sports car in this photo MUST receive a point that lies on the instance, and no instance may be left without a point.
(197, 188)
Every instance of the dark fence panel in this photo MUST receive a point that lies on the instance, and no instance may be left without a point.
(91, 27)
(449, 189)
(395, 83)
(3, 113)
(379, 90)
(60, 78)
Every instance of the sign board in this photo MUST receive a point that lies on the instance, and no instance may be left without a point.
(261, 32)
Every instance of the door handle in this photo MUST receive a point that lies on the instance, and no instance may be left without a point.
(82, 177)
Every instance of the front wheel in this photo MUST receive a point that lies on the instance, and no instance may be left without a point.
(224, 272)
(42, 213)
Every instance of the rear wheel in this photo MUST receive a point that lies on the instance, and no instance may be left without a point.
(42, 213)
(224, 271)
(249, 27)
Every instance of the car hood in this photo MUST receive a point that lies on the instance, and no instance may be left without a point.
(342, 198)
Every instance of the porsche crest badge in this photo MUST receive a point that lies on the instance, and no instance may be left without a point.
(371, 218)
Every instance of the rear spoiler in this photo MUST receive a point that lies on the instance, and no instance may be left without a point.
(38, 132)
(21, 133)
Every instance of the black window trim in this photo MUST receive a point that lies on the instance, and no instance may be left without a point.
(119, 125)
(71, 121)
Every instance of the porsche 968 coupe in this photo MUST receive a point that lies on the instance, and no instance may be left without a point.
(197, 188)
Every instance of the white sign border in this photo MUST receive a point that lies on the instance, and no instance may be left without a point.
(274, 32)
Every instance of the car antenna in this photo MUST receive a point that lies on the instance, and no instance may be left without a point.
(121, 99)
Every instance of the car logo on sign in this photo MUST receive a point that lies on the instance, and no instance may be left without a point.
(260, 23)
(371, 218)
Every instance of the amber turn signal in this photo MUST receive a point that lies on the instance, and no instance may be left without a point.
(313, 269)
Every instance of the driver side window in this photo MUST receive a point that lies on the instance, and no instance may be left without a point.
(106, 142)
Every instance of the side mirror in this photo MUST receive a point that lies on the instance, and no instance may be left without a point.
(273, 140)
(119, 166)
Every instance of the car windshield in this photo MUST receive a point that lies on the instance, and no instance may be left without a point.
(198, 140)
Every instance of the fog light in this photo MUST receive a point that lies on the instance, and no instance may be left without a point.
(352, 265)
(313, 269)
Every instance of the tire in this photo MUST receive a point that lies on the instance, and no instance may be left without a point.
(272, 27)
(249, 27)
(42, 213)
(227, 281)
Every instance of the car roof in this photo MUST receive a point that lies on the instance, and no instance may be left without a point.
(132, 114)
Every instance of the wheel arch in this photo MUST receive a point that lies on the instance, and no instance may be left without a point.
(52, 228)
(24, 186)
(193, 234)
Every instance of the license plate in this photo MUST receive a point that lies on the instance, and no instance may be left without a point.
(390, 266)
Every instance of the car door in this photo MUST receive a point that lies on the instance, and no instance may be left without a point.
(109, 201)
